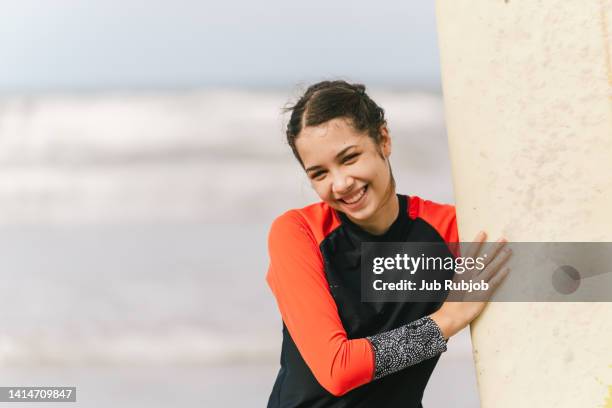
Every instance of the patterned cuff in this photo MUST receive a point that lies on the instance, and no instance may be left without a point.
(407, 345)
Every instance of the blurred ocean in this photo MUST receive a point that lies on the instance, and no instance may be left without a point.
(210, 156)
(133, 238)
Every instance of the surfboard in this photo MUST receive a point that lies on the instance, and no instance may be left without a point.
(527, 89)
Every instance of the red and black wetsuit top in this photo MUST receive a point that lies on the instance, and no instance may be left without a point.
(338, 351)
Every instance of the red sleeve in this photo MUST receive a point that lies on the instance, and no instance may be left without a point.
(441, 217)
(297, 279)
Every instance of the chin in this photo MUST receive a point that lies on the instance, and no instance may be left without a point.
(363, 214)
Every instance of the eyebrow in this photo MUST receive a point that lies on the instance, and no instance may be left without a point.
(340, 154)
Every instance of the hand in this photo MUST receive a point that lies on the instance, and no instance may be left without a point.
(465, 307)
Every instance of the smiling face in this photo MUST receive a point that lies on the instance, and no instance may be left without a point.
(350, 172)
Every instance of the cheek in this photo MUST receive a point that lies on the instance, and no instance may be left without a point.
(372, 169)
(322, 189)
(379, 172)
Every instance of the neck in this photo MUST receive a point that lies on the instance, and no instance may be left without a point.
(385, 216)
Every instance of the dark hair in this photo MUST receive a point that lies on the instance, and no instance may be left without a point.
(328, 100)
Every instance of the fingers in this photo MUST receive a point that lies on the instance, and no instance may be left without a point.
(487, 257)
(495, 263)
(475, 246)
(497, 279)
(491, 254)
(491, 271)
(494, 257)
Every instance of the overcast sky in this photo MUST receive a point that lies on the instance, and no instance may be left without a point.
(98, 44)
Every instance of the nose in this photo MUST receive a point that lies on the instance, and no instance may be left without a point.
(342, 183)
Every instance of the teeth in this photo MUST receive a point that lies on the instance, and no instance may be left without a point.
(355, 198)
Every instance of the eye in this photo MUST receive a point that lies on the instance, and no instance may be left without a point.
(319, 175)
(351, 158)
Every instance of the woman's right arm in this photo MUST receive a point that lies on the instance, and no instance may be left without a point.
(297, 279)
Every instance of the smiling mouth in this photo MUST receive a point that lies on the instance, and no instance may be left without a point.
(355, 198)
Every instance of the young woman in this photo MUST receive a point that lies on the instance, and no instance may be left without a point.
(338, 351)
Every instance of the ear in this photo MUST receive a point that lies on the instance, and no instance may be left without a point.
(385, 141)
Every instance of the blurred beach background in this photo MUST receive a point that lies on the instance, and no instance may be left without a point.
(142, 160)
